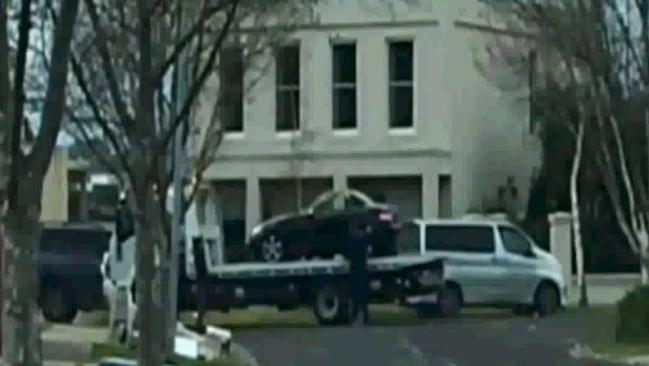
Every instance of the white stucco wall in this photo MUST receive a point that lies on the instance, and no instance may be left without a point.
(464, 125)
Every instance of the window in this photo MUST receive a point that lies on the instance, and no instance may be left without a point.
(288, 88)
(401, 84)
(408, 238)
(514, 242)
(474, 239)
(231, 77)
(344, 86)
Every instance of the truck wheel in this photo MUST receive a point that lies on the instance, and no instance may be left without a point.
(450, 302)
(56, 306)
(546, 299)
(331, 305)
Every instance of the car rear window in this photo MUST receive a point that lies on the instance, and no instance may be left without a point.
(458, 238)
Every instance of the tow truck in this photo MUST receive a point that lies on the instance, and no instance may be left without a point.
(321, 284)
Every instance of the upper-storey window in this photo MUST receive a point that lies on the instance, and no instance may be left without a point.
(231, 86)
(401, 84)
(344, 86)
(288, 88)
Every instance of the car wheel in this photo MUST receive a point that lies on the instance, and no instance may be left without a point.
(56, 306)
(272, 249)
(546, 300)
(450, 302)
(331, 305)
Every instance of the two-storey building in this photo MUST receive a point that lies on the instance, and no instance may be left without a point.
(382, 96)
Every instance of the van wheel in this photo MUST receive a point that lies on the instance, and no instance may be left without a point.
(331, 305)
(546, 300)
(450, 302)
(56, 306)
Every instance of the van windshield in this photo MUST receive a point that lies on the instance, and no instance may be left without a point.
(408, 238)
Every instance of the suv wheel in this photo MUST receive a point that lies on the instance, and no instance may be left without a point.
(56, 305)
(546, 300)
(450, 302)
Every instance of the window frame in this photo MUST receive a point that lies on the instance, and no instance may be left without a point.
(393, 84)
(338, 86)
(486, 228)
(530, 244)
(293, 90)
(239, 133)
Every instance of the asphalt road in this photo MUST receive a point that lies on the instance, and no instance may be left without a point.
(500, 341)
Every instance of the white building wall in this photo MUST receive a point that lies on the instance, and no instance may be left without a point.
(464, 125)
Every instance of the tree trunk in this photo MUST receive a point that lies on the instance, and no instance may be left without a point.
(576, 226)
(149, 304)
(644, 262)
(21, 336)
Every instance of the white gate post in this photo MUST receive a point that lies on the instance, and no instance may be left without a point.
(561, 242)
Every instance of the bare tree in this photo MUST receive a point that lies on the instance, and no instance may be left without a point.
(610, 44)
(124, 99)
(25, 170)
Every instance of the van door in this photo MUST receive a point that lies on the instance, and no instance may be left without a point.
(471, 259)
(519, 263)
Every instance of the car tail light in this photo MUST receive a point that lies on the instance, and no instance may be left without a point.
(385, 216)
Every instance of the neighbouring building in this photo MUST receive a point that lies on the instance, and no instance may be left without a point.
(384, 97)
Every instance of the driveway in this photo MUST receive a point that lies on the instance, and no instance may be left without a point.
(494, 340)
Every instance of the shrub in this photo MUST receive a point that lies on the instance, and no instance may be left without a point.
(633, 316)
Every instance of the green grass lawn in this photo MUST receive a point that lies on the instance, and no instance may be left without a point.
(104, 350)
(268, 317)
(601, 322)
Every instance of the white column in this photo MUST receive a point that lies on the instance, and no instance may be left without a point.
(561, 242)
(340, 183)
(253, 204)
(430, 195)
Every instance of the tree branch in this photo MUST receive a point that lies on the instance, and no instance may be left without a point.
(198, 27)
(90, 144)
(52, 112)
(109, 71)
(198, 85)
(101, 121)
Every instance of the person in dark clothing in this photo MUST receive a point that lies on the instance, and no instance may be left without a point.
(359, 275)
(200, 263)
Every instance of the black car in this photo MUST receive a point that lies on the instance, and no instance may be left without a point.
(69, 271)
(322, 230)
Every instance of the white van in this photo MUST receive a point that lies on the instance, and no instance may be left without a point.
(488, 263)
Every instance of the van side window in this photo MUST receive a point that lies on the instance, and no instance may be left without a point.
(460, 238)
(514, 242)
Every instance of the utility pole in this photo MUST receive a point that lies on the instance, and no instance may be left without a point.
(179, 95)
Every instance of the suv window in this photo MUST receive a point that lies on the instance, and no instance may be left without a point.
(460, 238)
(408, 238)
(513, 241)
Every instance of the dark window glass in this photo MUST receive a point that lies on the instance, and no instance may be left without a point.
(474, 239)
(401, 84)
(344, 86)
(408, 238)
(401, 61)
(231, 77)
(344, 60)
(514, 242)
(401, 106)
(288, 88)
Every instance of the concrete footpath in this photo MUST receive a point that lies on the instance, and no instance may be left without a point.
(605, 289)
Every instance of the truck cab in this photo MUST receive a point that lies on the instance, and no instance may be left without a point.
(490, 263)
